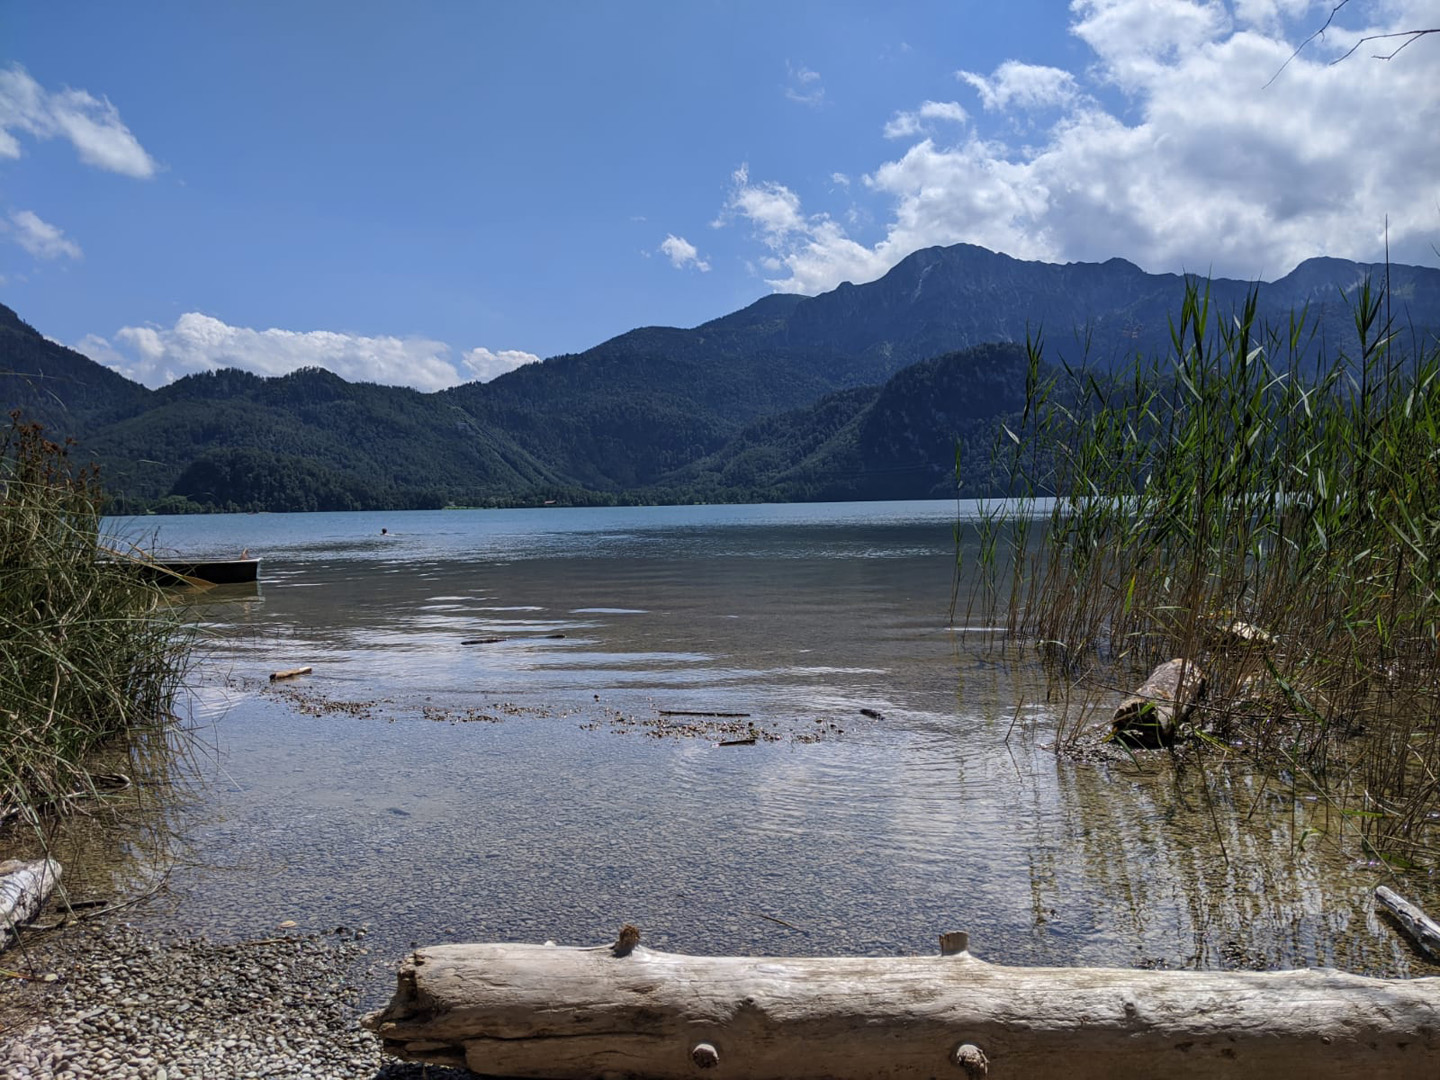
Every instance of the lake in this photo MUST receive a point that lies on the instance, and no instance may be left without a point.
(902, 781)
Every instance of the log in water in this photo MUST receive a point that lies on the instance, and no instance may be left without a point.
(1421, 929)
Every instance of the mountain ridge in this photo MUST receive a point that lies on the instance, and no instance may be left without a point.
(635, 413)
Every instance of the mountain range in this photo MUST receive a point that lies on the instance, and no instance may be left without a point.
(861, 392)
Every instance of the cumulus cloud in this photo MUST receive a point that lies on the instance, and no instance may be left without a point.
(1139, 41)
(812, 252)
(903, 124)
(483, 364)
(1270, 15)
(92, 125)
(1199, 165)
(40, 238)
(804, 86)
(682, 253)
(156, 355)
(1029, 86)
(772, 208)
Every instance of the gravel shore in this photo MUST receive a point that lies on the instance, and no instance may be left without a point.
(108, 1000)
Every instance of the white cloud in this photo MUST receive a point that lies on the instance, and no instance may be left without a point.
(485, 365)
(772, 208)
(1030, 86)
(904, 124)
(804, 86)
(1201, 166)
(1270, 15)
(682, 253)
(92, 125)
(155, 355)
(814, 250)
(1138, 41)
(40, 238)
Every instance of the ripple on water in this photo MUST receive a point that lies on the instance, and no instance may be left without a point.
(942, 812)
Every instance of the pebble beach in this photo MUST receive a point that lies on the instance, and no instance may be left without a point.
(105, 999)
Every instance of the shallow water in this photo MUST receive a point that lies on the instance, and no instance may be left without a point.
(516, 790)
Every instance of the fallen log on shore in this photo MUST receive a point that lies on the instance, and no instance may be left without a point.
(1155, 714)
(626, 1011)
(24, 888)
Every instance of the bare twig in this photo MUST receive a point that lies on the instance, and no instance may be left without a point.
(1410, 36)
(1301, 47)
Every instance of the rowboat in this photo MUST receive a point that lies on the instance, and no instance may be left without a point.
(206, 571)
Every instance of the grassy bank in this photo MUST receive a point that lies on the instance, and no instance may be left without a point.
(88, 653)
(1240, 481)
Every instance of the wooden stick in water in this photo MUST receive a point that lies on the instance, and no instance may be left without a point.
(1421, 929)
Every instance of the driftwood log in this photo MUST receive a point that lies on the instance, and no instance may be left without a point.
(1419, 927)
(24, 888)
(1155, 714)
(618, 1011)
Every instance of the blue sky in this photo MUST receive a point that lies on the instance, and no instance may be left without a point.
(426, 193)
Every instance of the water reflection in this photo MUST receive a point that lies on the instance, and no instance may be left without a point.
(940, 807)
(122, 838)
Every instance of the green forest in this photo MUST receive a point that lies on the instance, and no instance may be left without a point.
(896, 389)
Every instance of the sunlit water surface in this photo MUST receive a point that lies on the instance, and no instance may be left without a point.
(515, 790)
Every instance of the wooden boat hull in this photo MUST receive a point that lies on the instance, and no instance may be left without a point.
(211, 572)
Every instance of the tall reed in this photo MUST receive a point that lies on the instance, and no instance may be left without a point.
(1275, 518)
(88, 652)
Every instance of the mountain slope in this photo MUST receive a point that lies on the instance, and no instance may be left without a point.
(395, 441)
(634, 408)
(727, 406)
(941, 299)
(65, 391)
(896, 441)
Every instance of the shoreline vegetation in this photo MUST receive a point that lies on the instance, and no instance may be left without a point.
(1234, 503)
(91, 656)
(1273, 521)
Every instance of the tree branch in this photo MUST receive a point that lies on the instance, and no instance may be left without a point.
(1409, 35)
(1301, 47)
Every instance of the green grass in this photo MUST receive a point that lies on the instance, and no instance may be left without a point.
(89, 654)
(1238, 479)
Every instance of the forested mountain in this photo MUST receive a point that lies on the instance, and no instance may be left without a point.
(231, 437)
(631, 410)
(856, 393)
(67, 392)
(928, 432)
(941, 299)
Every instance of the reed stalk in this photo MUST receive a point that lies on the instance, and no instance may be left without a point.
(1239, 484)
(89, 653)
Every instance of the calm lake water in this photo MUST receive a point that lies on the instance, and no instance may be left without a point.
(517, 790)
